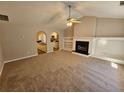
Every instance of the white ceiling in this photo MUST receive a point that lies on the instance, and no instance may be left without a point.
(54, 14)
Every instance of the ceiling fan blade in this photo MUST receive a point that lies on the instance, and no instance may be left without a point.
(75, 20)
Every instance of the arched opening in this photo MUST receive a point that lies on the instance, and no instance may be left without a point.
(41, 42)
(55, 41)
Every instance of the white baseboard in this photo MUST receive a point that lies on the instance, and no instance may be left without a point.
(1, 70)
(103, 58)
(109, 59)
(20, 58)
(50, 51)
(81, 54)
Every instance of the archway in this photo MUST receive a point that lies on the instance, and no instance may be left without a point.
(41, 42)
(55, 41)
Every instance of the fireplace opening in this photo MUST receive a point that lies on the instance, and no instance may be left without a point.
(82, 47)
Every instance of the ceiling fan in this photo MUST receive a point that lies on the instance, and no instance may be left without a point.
(70, 19)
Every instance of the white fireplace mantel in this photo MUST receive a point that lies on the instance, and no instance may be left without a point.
(89, 39)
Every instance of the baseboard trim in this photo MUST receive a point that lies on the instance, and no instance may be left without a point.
(81, 54)
(109, 59)
(17, 59)
(50, 51)
(1, 70)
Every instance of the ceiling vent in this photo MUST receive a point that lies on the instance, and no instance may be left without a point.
(4, 17)
(121, 2)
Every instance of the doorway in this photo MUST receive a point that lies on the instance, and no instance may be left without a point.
(41, 42)
(55, 41)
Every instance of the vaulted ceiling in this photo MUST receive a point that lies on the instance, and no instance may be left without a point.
(54, 14)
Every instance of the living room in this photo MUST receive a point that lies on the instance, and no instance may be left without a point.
(61, 46)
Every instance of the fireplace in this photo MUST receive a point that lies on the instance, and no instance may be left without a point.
(82, 47)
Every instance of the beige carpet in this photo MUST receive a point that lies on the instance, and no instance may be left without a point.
(62, 71)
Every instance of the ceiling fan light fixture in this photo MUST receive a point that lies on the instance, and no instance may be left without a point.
(71, 20)
(69, 24)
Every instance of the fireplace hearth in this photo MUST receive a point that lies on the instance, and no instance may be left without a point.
(82, 47)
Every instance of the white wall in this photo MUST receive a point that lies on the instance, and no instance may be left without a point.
(20, 40)
(69, 31)
(110, 47)
(86, 28)
(110, 27)
(99, 27)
